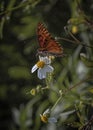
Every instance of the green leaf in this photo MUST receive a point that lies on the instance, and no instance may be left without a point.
(19, 72)
(87, 62)
(1, 27)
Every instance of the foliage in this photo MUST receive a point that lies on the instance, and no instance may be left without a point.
(64, 100)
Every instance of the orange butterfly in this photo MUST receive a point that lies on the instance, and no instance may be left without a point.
(48, 45)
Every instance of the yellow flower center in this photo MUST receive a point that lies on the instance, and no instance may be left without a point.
(40, 64)
(44, 118)
(74, 29)
(33, 92)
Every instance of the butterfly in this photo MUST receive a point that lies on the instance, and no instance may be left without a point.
(48, 45)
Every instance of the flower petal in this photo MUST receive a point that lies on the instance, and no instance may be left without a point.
(46, 59)
(49, 68)
(41, 73)
(34, 68)
(52, 120)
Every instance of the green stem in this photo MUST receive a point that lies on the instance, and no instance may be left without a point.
(73, 41)
(82, 81)
(20, 6)
(45, 88)
(58, 100)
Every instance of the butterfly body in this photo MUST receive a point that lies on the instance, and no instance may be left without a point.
(48, 45)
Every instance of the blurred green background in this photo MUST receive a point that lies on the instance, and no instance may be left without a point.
(19, 110)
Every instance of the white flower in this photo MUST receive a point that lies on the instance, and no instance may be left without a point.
(45, 117)
(43, 66)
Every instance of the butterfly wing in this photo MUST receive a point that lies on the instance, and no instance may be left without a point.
(48, 45)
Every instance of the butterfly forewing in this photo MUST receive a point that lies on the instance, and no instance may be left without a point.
(43, 35)
(48, 45)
